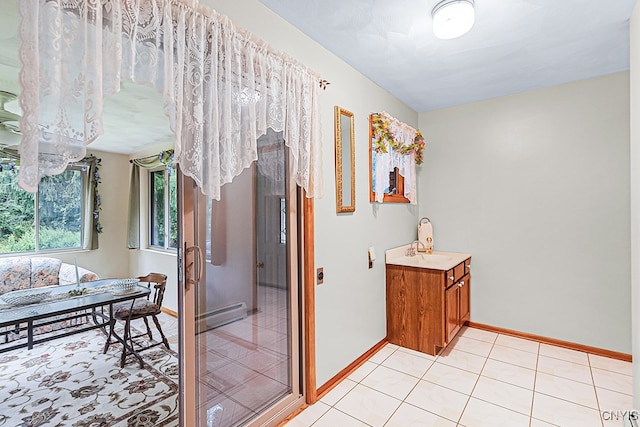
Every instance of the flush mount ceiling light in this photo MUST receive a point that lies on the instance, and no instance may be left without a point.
(452, 18)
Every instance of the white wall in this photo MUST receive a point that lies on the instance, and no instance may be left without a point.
(146, 260)
(635, 197)
(111, 258)
(350, 305)
(536, 187)
(233, 281)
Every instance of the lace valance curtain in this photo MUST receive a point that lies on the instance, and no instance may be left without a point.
(222, 87)
(391, 159)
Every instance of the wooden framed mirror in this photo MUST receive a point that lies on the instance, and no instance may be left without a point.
(345, 161)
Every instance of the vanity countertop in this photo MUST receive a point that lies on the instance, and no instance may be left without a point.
(435, 260)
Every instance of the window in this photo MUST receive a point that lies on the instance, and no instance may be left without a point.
(50, 219)
(163, 209)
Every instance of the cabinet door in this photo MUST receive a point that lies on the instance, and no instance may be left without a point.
(452, 323)
(396, 297)
(464, 298)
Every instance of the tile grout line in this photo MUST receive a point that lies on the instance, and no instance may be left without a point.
(433, 362)
(575, 381)
(318, 419)
(430, 412)
(364, 385)
(503, 382)
(478, 379)
(402, 372)
(570, 379)
(500, 405)
(595, 390)
(566, 377)
(360, 383)
(535, 379)
(348, 415)
(412, 388)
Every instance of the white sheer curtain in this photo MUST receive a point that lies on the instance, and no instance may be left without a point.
(406, 163)
(222, 87)
(271, 163)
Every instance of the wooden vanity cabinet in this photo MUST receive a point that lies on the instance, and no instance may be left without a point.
(425, 307)
(452, 315)
(457, 306)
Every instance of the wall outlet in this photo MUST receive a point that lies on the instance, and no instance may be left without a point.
(320, 276)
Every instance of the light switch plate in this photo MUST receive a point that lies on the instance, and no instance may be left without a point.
(372, 253)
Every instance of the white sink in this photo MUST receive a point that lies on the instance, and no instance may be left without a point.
(421, 259)
(434, 261)
(431, 257)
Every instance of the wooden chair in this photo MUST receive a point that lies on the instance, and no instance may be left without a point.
(141, 308)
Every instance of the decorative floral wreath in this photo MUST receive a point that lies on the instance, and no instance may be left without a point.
(97, 199)
(383, 137)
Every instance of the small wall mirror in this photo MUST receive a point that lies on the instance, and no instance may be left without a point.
(345, 161)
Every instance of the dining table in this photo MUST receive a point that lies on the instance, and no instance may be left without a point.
(94, 301)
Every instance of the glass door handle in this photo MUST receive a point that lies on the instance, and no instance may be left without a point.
(194, 266)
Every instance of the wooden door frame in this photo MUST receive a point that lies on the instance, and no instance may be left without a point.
(186, 311)
(309, 300)
(308, 305)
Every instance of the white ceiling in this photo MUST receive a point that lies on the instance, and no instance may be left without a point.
(514, 46)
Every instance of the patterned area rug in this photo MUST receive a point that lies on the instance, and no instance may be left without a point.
(69, 382)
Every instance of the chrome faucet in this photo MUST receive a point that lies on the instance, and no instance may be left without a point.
(425, 235)
(411, 251)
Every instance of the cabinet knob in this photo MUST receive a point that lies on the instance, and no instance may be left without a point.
(461, 284)
(469, 266)
(451, 278)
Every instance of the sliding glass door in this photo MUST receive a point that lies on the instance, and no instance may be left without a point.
(242, 332)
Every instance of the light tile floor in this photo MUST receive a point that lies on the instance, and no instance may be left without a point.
(246, 362)
(481, 379)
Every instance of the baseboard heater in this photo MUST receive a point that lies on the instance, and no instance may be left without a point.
(221, 316)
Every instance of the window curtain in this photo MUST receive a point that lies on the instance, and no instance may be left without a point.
(133, 224)
(406, 163)
(165, 158)
(271, 163)
(222, 87)
(89, 190)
